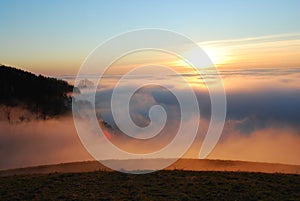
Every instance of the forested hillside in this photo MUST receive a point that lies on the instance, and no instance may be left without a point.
(44, 96)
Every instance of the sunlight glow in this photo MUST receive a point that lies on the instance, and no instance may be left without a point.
(218, 55)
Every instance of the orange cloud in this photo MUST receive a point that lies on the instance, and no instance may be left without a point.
(267, 145)
(282, 50)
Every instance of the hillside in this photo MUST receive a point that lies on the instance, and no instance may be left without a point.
(181, 164)
(162, 185)
(43, 96)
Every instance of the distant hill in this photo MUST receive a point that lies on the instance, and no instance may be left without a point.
(181, 164)
(43, 96)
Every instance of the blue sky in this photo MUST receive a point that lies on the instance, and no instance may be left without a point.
(64, 32)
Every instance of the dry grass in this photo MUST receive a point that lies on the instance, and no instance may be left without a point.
(162, 185)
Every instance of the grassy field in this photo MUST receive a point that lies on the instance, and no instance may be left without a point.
(162, 185)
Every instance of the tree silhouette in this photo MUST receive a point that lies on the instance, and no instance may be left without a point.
(42, 95)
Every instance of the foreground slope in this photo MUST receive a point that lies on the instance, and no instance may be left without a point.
(161, 185)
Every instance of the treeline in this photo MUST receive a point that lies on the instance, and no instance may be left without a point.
(41, 95)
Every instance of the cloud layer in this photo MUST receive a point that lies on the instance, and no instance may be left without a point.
(263, 113)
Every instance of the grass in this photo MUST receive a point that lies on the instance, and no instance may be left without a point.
(162, 185)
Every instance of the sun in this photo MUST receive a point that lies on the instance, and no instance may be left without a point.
(219, 56)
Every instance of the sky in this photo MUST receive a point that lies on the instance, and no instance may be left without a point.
(54, 37)
(255, 46)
